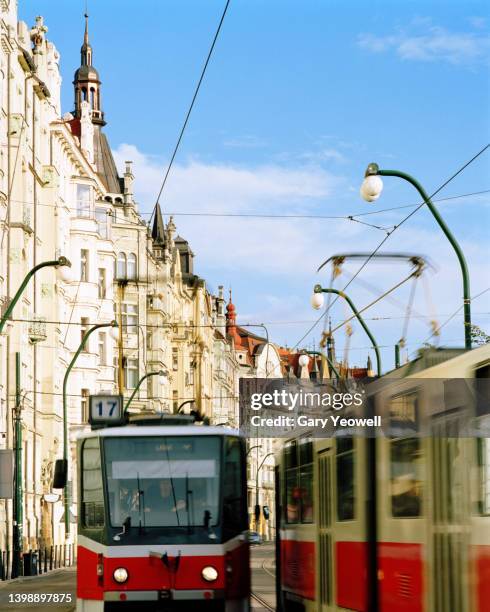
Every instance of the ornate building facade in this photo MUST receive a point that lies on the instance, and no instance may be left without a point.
(61, 194)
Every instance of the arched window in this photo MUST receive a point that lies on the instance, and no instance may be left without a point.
(131, 266)
(121, 266)
(84, 93)
(92, 98)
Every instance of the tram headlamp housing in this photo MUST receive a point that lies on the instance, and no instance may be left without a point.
(120, 574)
(209, 573)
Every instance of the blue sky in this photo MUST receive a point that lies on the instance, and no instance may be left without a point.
(299, 97)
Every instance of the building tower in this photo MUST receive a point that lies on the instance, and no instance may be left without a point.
(87, 82)
(89, 119)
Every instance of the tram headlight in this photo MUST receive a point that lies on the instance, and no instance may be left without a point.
(209, 573)
(120, 574)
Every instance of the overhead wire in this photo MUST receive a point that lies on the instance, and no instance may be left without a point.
(181, 134)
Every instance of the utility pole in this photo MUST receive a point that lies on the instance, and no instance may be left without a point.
(120, 369)
(17, 501)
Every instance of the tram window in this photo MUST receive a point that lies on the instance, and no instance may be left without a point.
(92, 489)
(482, 376)
(306, 482)
(232, 485)
(293, 496)
(406, 481)
(345, 479)
(291, 456)
(161, 481)
(483, 446)
(305, 451)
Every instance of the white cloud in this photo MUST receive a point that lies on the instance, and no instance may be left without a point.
(271, 264)
(199, 186)
(431, 43)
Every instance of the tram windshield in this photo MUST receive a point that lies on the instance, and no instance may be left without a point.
(163, 481)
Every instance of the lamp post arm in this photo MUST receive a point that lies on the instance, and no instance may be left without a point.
(65, 408)
(140, 382)
(454, 243)
(319, 289)
(20, 290)
(251, 449)
(257, 478)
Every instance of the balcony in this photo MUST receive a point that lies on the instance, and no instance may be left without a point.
(37, 329)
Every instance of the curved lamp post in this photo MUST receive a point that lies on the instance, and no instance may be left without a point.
(161, 373)
(317, 303)
(55, 263)
(371, 189)
(257, 505)
(86, 336)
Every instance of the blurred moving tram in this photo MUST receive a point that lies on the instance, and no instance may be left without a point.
(163, 519)
(399, 523)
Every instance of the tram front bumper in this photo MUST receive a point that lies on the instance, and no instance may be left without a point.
(172, 594)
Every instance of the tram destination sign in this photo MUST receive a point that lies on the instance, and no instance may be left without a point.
(106, 410)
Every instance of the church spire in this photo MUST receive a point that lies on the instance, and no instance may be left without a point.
(87, 82)
(86, 50)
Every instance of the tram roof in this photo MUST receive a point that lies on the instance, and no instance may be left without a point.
(158, 430)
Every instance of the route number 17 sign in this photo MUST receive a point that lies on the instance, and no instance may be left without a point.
(106, 410)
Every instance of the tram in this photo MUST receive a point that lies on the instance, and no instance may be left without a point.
(397, 523)
(162, 518)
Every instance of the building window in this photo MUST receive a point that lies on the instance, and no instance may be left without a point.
(149, 340)
(102, 222)
(83, 331)
(131, 373)
(175, 397)
(84, 405)
(83, 200)
(102, 349)
(131, 267)
(121, 266)
(129, 318)
(84, 271)
(102, 284)
(175, 359)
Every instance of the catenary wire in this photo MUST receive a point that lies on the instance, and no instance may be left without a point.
(203, 72)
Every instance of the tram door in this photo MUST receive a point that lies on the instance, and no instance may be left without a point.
(325, 462)
(450, 514)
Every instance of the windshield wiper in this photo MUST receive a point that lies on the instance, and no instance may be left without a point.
(189, 499)
(126, 526)
(172, 485)
(141, 504)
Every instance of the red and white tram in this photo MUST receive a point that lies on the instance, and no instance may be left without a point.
(391, 524)
(162, 519)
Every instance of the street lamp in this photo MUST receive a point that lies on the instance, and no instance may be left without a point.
(163, 379)
(371, 190)
(85, 338)
(317, 302)
(62, 263)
